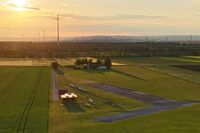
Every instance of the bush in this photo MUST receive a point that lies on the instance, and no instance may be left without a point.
(55, 65)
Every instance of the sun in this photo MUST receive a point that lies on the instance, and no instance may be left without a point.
(19, 3)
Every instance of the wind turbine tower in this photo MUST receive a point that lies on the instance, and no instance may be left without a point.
(58, 28)
(38, 36)
(44, 36)
(191, 37)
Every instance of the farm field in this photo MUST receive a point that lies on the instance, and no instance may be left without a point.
(26, 103)
(179, 72)
(143, 74)
(24, 98)
(158, 60)
(33, 62)
(120, 61)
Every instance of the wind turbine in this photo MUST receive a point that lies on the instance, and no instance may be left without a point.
(191, 37)
(38, 36)
(58, 28)
(44, 36)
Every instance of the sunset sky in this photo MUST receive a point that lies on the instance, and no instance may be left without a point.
(100, 17)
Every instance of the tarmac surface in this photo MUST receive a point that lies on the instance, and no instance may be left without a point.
(143, 112)
(159, 104)
(140, 96)
(55, 96)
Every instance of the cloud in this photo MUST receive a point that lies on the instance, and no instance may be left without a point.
(68, 5)
(23, 7)
(195, 1)
(8, 3)
(112, 17)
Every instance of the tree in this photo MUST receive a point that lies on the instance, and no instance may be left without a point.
(54, 65)
(90, 60)
(78, 62)
(108, 62)
(99, 62)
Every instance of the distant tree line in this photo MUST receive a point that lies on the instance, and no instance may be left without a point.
(93, 49)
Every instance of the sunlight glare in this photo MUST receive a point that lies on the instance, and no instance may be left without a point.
(19, 3)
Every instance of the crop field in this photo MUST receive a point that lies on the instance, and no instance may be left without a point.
(34, 62)
(24, 98)
(158, 60)
(155, 76)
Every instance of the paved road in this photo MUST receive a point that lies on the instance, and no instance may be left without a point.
(158, 103)
(146, 98)
(143, 112)
(55, 96)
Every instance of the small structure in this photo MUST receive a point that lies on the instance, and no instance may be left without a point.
(62, 92)
(77, 87)
(95, 65)
(71, 85)
(102, 68)
(82, 89)
(66, 96)
(99, 64)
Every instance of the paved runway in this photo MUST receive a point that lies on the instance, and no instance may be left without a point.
(143, 112)
(55, 96)
(159, 104)
(133, 94)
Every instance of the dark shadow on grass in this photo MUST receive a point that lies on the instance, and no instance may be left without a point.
(126, 74)
(95, 71)
(195, 68)
(73, 107)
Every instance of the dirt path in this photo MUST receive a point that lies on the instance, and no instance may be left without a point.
(158, 103)
(55, 96)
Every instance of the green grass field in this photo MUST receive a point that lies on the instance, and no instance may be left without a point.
(24, 94)
(26, 104)
(143, 79)
(158, 60)
(142, 74)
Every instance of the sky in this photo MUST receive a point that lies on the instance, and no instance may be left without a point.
(29, 18)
